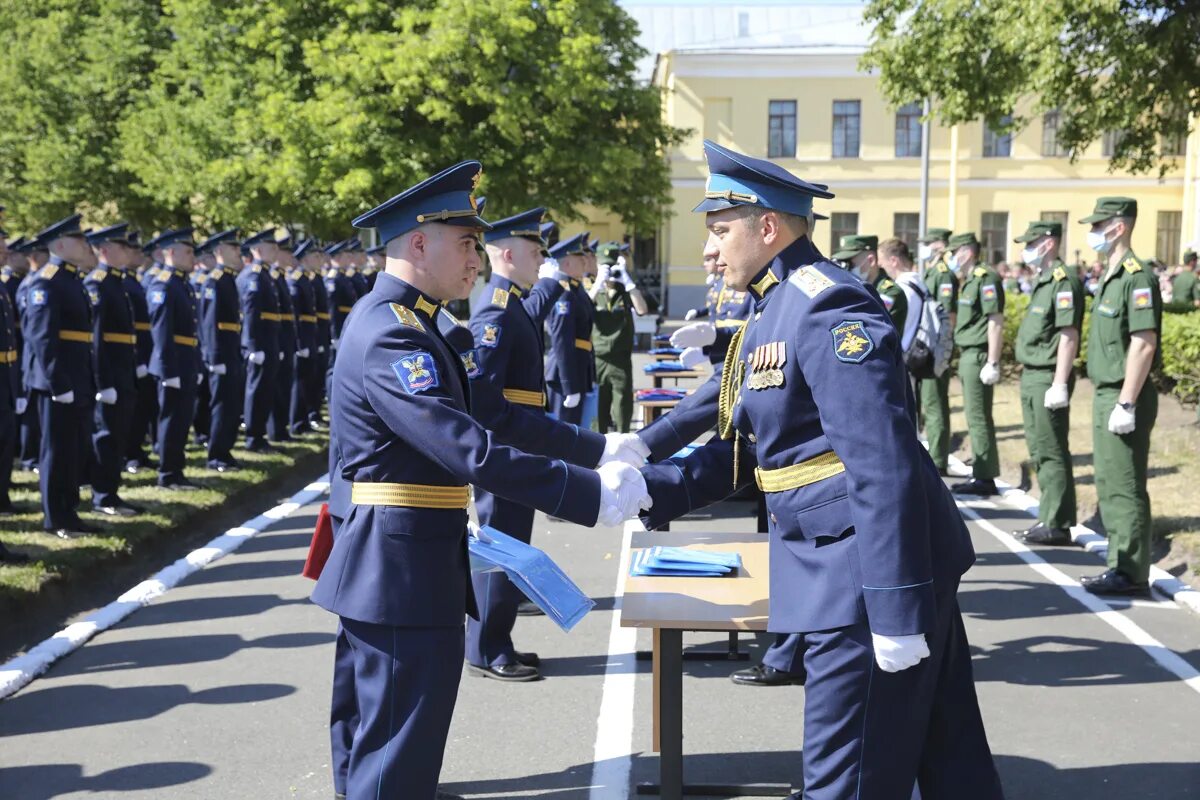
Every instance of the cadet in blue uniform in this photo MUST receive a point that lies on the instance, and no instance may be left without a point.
(35, 254)
(13, 275)
(145, 413)
(176, 359)
(277, 421)
(115, 351)
(221, 325)
(57, 326)
(867, 547)
(312, 260)
(342, 296)
(570, 371)
(408, 447)
(260, 338)
(304, 304)
(10, 396)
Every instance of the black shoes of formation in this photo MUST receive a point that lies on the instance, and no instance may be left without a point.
(1115, 582)
(120, 509)
(1044, 535)
(762, 675)
(526, 669)
(528, 608)
(976, 487)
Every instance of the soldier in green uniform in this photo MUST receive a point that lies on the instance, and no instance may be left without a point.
(1126, 325)
(1185, 288)
(979, 335)
(617, 299)
(935, 392)
(1047, 343)
(860, 255)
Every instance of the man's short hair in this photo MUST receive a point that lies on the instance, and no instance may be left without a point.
(895, 247)
(752, 214)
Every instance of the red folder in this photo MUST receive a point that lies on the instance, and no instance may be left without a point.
(321, 545)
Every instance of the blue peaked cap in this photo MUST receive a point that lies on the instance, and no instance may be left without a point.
(446, 197)
(267, 235)
(64, 227)
(211, 242)
(113, 233)
(739, 180)
(526, 225)
(170, 237)
(576, 245)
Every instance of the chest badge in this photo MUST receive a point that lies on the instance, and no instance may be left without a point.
(766, 363)
(851, 342)
(945, 290)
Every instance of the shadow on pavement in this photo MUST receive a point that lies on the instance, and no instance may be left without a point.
(46, 781)
(207, 608)
(1030, 778)
(1067, 661)
(174, 650)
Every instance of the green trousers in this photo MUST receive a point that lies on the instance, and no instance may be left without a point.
(1121, 480)
(614, 388)
(935, 416)
(1047, 434)
(977, 403)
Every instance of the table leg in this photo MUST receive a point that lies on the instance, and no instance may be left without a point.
(670, 713)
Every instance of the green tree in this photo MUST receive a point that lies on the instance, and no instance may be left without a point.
(1127, 66)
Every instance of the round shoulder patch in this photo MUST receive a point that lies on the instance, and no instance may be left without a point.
(851, 341)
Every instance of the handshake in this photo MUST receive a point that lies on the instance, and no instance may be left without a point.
(622, 489)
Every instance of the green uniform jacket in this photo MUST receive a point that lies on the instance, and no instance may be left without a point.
(1128, 301)
(942, 285)
(612, 332)
(1056, 303)
(1185, 288)
(981, 296)
(894, 300)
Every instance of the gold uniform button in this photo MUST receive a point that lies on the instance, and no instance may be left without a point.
(752, 438)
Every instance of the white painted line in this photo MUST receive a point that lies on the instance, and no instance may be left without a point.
(612, 756)
(21, 670)
(1160, 653)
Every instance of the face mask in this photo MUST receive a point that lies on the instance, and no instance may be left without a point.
(1098, 241)
(924, 252)
(1031, 256)
(860, 271)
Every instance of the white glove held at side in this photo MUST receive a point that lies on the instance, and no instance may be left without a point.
(171, 383)
(218, 369)
(989, 374)
(1056, 396)
(258, 357)
(572, 400)
(896, 653)
(698, 334)
(1121, 421)
(107, 396)
(66, 397)
(142, 371)
(22, 405)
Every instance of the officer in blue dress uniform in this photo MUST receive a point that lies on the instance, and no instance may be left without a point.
(260, 338)
(115, 352)
(313, 260)
(285, 376)
(221, 340)
(570, 370)
(867, 547)
(145, 413)
(407, 446)
(57, 327)
(35, 254)
(176, 361)
(12, 275)
(304, 304)
(10, 395)
(342, 297)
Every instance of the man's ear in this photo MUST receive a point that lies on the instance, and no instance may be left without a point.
(417, 242)
(769, 227)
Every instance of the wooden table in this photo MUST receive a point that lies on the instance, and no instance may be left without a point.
(659, 377)
(671, 606)
(653, 409)
(665, 356)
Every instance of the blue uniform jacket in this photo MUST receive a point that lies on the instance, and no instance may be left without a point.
(221, 318)
(540, 299)
(12, 284)
(113, 334)
(870, 542)
(287, 314)
(400, 413)
(342, 297)
(57, 326)
(569, 326)
(321, 308)
(173, 325)
(359, 281)
(141, 317)
(728, 312)
(10, 365)
(260, 311)
(305, 308)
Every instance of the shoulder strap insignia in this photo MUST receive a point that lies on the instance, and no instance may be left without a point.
(500, 297)
(1131, 264)
(98, 274)
(886, 284)
(49, 271)
(1060, 274)
(406, 317)
(566, 284)
(201, 278)
(216, 274)
(942, 267)
(980, 272)
(331, 273)
(425, 307)
(810, 281)
(257, 268)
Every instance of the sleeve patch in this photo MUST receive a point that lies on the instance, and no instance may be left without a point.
(157, 297)
(1064, 301)
(209, 293)
(887, 301)
(989, 292)
(471, 364)
(563, 307)
(1142, 298)
(37, 297)
(490, 336)
(851, 342)
(946, 290)
(416, 372)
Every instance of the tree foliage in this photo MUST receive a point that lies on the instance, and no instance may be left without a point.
(1127, 66)
(237, 112)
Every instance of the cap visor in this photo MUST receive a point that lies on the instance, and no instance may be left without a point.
(1092, 219)
(842, 255)
(713, 204)
(1027, 237)
(819, 216)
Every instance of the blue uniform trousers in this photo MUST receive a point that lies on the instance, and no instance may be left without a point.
(343, 710)
(301, 402)
(8, 447)
(145, 420)
(406, 681)
(489, 639)
(260, 395)
(316, 384)
(786, 653)
(202, 418)
(31, 434)
(225, 410)
(175, 410)
(870, 735)
(555, 397)
(63, 426)
(285, 376)
(110, 443)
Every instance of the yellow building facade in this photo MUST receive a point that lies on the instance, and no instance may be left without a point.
(817, 114)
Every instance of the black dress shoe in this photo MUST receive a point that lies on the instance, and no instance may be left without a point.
(180, 485)
(259, 446)
(762, 675)
(528, 608)
(339, 796)
(223, 466)
(120, 509)
(510, 673)
(1114, 582)
(528, 659)
(75, 531)
(1040, 534)
(975, 486)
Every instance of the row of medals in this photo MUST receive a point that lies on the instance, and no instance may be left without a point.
(766, 364)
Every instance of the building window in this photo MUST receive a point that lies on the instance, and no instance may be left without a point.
(997, 145)
(841, 223)
(908, 131)
(1173, 145)
(907, 228)
(743, 24)
(782, 129)
(1051, 147)
(1170, 224)
(1110, 143)
(993, 236)
(847, 122)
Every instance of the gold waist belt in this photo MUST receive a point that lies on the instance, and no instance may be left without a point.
(524, 397)
(583, 344)
(8, 356)
(322, 315)
(119, 338)
(344, 309)
(817, 468)
(236, 327)
(141, 326)
(268, 316)
(410, 495)
(186, 341)
(730, 323)
(76, 336)
(308, 318)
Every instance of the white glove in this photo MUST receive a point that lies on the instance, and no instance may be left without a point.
(199, 378)
(333, 343)
(627, 281)
(107, 396)
(571, 400)
(622, 493)
(698, 334)
(897, 653)
(989, 374)
(626, 447)
(321, 348)
(171, 383)
(603, 274)
(303, 352)
(281, 355)
(217, 369)
(142, 371)
(621, 262)
(1121, 421)
(548, 269)
(22, 404)
(66, 397)
(692, 357)
(691, 314)
(1056, 396)
(258, 357)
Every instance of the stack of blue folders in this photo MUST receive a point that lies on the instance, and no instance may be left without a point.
(662, 337)
(664, 366)
(666, 351)
(533, 572)
(682, 562)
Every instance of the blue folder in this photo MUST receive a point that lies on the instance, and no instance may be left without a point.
(683, 563)
(664, 366)
(533, 572)
(666, 351)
